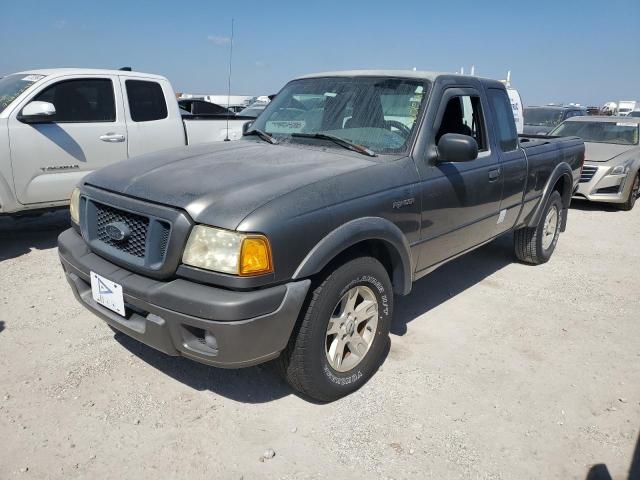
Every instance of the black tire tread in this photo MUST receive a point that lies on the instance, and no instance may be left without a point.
(291, 361)
(526, 239)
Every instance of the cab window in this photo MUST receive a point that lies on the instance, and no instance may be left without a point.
(463, 115)
(81, 101)
(506, 125)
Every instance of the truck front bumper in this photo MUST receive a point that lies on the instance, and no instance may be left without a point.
(219, 327)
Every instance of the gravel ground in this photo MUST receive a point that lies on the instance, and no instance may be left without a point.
(496, 370)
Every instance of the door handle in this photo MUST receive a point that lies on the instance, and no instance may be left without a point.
(495, 174)
(112, 137)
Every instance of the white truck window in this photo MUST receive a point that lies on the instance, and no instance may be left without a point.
(146, 101)
(81, 101)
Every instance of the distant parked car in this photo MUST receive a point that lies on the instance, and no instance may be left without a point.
(626, 106)
(253, 110)
(541, 120)
(202, 107)
(612, 158)
(634, 114)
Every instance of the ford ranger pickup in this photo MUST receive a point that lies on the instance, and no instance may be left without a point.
(292, 242)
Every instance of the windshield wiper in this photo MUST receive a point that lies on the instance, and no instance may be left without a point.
(338, 141)
(263, 135)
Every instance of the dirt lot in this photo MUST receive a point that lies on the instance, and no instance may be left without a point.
(496, 370)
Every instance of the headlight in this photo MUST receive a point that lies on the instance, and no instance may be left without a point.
(228, 252)
(74, 205)
(619, 170)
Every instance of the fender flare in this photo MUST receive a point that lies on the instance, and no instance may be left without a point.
(562, 171)
(360, 230)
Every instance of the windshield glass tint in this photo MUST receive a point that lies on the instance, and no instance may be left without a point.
(13, 85)
(376, 112)
(620, 133)
(542, 117)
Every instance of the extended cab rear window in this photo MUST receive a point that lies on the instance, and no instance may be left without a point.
(507, 133)
(146, 100)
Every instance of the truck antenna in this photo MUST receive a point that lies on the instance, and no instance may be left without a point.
(226, 139)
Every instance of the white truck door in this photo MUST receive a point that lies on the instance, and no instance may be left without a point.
(87, 132)
(153, 117)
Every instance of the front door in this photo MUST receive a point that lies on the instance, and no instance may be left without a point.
(460, 201)
(87, 132)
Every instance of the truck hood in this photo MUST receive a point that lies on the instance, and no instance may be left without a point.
(221, 183)
(603, 152)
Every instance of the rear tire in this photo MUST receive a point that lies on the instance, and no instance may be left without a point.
(633, 195)
(318, 361)
(535, 245)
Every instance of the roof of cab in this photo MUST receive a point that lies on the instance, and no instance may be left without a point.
(87, 71)
(431, 76)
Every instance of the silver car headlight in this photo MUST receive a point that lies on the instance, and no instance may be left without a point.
(230, 252)
(74, 206)
(619, 170)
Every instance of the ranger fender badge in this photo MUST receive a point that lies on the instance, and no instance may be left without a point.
(404, 203)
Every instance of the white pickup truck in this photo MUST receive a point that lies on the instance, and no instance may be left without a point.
(58, 125)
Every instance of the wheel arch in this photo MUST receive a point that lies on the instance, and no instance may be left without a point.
(375, 236)
(560, 180)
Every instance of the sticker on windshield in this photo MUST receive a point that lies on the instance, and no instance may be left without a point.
(32, 78)
(285, 126)
(626, 124)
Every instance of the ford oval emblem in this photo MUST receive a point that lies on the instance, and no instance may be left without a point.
(117, 231)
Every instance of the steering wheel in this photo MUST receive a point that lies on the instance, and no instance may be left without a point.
(403, 129)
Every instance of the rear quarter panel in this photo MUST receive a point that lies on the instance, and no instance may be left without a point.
(543, 156)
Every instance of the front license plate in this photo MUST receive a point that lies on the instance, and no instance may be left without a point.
(107, 293)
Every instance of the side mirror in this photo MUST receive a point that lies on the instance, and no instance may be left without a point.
(37, 112)
(246, 126)
(454, 147)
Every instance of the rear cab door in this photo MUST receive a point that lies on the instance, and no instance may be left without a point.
(512, 157)
(153, 117)
(87, 132)
(460, 200)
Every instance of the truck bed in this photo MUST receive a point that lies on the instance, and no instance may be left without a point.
(212, 128)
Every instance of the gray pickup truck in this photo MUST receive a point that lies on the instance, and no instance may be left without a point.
(293, 241)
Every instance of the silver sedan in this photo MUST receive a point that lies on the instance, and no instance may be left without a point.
(612, 158)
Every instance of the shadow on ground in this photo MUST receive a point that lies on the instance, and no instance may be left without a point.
(19, 235)
(587, 206)
(263, 383)
(601, 472)
(260, 384)
(451, 279)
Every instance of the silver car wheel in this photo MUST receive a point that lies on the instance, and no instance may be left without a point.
(550, 227)
(352, 328)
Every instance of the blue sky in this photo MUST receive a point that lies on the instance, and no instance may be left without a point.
(564, 50)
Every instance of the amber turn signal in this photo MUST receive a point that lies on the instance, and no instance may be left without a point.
(255, 256)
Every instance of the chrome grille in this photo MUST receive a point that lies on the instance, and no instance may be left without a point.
(587, 173)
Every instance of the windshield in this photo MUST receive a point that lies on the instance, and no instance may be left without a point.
(378, 113)
(13, 85)
(620, 133)
(542, 117)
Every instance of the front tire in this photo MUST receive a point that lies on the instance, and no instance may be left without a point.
(343, 332)
(535, 245)
(633, 195)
